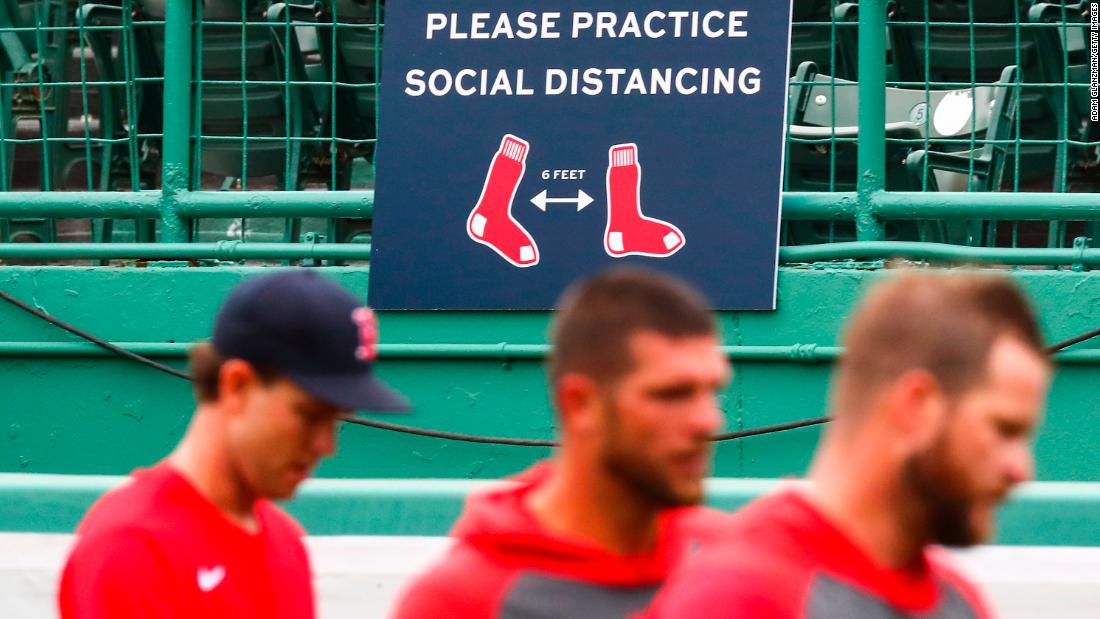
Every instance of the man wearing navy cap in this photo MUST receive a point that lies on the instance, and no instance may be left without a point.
(197, 535)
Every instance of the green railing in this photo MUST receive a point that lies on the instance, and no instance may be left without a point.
(159, 64)
(1036, 107)
(285, 62)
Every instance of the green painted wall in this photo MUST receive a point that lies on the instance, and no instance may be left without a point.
(103, 415)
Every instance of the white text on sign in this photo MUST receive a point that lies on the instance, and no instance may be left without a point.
(591, 81)
(564, 175)
(599, 24)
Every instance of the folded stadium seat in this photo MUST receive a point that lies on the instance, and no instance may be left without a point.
(358, 54)
(268, 109)
(28, 56)
(303, 52)
(307, 56)
(358, 49)
(824, 132)
(1064, 57)
(125, 112)
(350, 115)
(951, 50)
(825, 33)
(982, 167)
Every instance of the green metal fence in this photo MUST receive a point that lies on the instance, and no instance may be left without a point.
(962, 123)
(175, 99)
(980, 96)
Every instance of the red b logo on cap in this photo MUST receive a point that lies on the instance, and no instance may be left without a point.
(368, 333)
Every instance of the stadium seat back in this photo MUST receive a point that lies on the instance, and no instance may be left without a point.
(951, 50)
(825, 33)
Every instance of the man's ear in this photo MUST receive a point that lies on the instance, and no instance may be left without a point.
(578, 402)
(236, 378)
(917, 409)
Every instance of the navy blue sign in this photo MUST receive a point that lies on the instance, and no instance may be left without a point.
(525, 144)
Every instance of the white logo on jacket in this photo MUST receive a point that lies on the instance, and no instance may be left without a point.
(209, 578)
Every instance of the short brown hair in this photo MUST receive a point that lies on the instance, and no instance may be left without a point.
(943, 323)
(205, 363)
(597, 316)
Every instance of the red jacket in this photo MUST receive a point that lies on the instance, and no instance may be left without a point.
(155, 548)
(504, 564)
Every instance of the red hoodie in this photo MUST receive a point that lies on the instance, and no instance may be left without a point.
(784, 559)
(505, 565)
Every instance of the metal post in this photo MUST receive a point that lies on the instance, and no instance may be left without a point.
(871, 160)
(177, 118)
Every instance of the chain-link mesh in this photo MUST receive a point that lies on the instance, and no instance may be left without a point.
(981, 96)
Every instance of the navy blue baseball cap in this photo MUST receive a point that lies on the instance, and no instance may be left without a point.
(307, 328)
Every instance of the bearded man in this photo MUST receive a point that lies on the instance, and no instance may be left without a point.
(942, 384)
(635, 373)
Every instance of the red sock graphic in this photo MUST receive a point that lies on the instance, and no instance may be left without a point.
(491, 222)
(629, 233)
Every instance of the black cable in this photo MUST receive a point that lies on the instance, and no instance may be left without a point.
(450, 436)
(780, 427)
(1053, 348)
(524, 442)
(91, 338)
(454, 436)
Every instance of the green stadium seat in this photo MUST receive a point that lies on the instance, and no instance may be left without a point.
(823, 134)
(125, 112)
(357, 52)
(303, 52)
(357, 62)
(822, 107)
(307, 55)
(1064, 58)
(270, 112)
(823, 117)
(351, 115)
(950, 50)
(230, 111)
(825, 32)
(983, 167)
(28, 56)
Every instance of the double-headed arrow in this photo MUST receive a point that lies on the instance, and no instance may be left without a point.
(582, 200)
